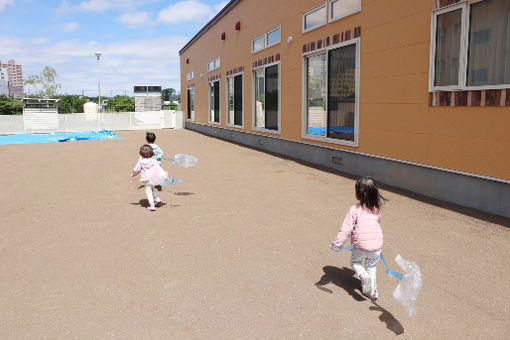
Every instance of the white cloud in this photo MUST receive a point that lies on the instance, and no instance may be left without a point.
(4, 3)
(90, 6)
(123, 64)
(100, 6)
(220, 6)
(40, 41)
(70, 27)
(184, 11)
(135, 19)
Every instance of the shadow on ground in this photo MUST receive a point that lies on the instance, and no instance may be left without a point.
(145, 203)
(433, 201)
(391, 323)
(184, 193)
(344, 278)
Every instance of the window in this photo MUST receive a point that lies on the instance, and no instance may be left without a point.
(314, 18)
(448, 48)
(331, 101)
(273, 37)
(235, 100)
(214, 102)
(257, 44)
(213, 64)
(342, 8)
(471, 46)
(191, 103)
(189, 75)
(267, 97)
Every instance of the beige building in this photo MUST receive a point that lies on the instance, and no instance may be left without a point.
(15, 78)
(415, 94)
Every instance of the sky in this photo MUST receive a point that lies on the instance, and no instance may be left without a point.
(139, 40)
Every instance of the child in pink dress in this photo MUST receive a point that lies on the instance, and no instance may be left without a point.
(362, 223)
(152, 174)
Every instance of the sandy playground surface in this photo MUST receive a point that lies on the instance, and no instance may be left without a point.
(235, 252)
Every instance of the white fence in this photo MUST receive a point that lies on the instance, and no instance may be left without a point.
(164, 119)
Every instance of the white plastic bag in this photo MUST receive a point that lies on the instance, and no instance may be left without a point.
(185, 160)
(407, 291)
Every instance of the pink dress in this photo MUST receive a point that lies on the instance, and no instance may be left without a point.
(152, 172)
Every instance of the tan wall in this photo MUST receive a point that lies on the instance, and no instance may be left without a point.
(395, 119)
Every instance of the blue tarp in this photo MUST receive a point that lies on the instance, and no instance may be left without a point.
(29, 138)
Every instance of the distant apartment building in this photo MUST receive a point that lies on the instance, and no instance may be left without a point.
(15, 78)
(4, 83)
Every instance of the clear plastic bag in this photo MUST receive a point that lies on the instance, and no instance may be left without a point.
(185, 160)
(407, 291)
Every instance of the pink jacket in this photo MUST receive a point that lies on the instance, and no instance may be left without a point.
(152, 173)
(363, 227)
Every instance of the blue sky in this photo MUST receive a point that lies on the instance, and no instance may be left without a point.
(139, 40)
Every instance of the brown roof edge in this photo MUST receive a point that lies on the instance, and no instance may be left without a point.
(210, 24)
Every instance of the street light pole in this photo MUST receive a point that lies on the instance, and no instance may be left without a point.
(98, 55)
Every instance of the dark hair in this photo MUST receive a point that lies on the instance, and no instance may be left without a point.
(150, 137)
(146, 151)
(368, 193)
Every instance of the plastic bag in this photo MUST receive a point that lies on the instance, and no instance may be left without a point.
(185, 160)
(407, 291)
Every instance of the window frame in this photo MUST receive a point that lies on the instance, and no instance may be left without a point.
(254, 109)
(462, 50)
(310, 11)
(465, 8)
(190, 75)
(209, 102)
(263, 36)
(330, 11)
(192, 113)
(227, 100)
(304, 95)
(214, 66)
(279, 28)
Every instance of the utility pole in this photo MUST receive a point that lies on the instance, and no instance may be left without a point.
(98, 55)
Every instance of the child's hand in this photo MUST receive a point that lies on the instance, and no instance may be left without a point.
(333, 247)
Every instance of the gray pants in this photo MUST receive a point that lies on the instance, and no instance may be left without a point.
(371, 258)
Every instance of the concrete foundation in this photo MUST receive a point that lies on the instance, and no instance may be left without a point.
(491, 195)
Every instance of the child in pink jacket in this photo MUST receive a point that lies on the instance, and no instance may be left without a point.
(152, 174)
(362, 223)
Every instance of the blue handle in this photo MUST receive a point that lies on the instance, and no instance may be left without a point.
(169, 159)
(337, 250)
(389, 271)
(171, 181)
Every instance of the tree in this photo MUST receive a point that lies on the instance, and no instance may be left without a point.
(10, 106)
(71, 104)
(166, 93)
(45, 82)
(121, 104)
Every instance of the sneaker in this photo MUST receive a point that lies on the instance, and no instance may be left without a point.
(366, 284)
(157, 202)
(151, 208)
(374, 295)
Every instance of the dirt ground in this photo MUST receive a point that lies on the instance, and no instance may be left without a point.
(239, 250)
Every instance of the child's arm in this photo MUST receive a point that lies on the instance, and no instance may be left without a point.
(138, 168)
(346, 229)
(158, 153)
